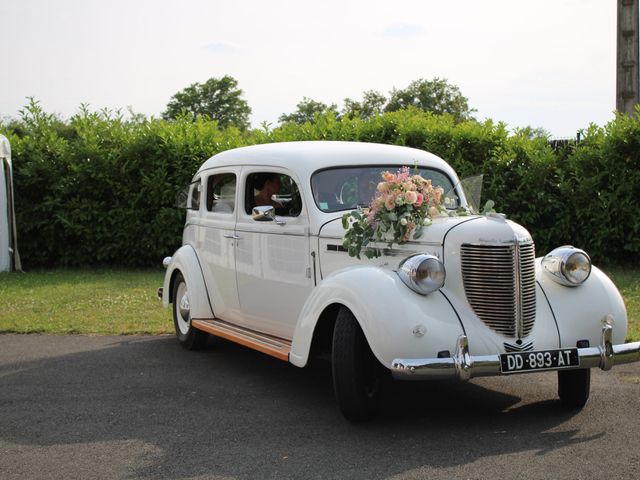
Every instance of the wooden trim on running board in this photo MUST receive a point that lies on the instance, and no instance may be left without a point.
(273, 346)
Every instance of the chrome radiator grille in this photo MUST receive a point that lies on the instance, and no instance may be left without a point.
(500, 284)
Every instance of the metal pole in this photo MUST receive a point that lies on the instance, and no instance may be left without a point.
(627, 88)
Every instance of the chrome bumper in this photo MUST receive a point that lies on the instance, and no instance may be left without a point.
(464, 366)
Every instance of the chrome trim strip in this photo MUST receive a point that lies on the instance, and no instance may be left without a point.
(524, 347)
(518, 293)
(315, 279)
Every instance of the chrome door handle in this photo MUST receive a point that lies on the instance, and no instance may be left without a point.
(231, 235)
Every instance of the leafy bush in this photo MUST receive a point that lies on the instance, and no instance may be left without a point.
(101, 189)
(604, 181)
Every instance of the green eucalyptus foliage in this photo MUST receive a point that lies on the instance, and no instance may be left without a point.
(358, 234)
(101, 188)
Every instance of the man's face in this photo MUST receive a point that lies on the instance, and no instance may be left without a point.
(274, 186)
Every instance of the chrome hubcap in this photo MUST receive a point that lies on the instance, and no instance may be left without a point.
(184, 306)
(183, 309)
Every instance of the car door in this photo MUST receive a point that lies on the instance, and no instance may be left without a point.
(216, 241)
(273, 261)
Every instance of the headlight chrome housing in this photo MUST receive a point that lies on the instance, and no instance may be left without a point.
(422, 273)
(567, 265)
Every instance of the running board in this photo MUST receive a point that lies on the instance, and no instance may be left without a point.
(274, 346)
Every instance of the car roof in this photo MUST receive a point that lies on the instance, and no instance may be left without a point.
(304, 158)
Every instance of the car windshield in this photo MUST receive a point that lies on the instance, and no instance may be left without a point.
(346, 188)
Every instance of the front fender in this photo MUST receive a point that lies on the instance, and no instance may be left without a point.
(186, 262)
(579, 310)
(388, 313)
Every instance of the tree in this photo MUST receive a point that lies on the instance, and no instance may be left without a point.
(219, 98)
(306, 111)
(437, 96)
(372, 104)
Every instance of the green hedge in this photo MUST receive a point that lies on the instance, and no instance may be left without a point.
(101, 189)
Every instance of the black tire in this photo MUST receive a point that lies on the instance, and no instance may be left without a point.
(189, 337)
(356, 371)
(574, 387)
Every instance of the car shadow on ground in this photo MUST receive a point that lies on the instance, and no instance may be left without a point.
(227, 411)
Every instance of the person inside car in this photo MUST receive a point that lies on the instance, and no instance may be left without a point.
(268, 184)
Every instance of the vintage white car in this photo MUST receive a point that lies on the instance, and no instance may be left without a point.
(263, 264)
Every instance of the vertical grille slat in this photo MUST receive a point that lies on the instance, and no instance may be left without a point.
(500, 285)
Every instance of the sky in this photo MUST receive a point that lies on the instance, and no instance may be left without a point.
(541, 63)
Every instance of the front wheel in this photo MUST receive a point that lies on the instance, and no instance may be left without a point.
(189, 337)
(573, 387)
(356, 378)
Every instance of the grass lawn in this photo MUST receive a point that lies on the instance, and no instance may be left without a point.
(101, 302)
(628, 281)
(114, 302)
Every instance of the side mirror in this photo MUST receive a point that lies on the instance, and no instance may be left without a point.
(264, 213)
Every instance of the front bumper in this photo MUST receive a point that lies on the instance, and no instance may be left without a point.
(464, 366)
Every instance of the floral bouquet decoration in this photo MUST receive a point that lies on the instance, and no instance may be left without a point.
(403, 205)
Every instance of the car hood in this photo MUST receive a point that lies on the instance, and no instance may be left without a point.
(442, 239)
(433, 234)
(490, 229)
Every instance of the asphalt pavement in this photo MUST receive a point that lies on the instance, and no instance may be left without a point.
(81, 407)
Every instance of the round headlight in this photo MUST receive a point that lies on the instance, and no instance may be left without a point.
(567, 265)
(577, 267)
(422, 273)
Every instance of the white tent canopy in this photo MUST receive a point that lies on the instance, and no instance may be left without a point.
(9, 258)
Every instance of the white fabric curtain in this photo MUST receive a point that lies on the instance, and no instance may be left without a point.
(9, 257)
(5, 258)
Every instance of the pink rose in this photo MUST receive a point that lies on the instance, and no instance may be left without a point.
(390, 202)
(388, 176)
(437, 194)
(419, 199)
(383, 187)
(410, 197)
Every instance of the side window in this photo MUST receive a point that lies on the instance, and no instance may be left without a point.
(276, 189)
(221, 193)
(195, 190)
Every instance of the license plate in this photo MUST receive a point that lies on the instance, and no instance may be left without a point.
(540, 360)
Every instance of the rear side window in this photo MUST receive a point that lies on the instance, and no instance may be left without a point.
(221, 193)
